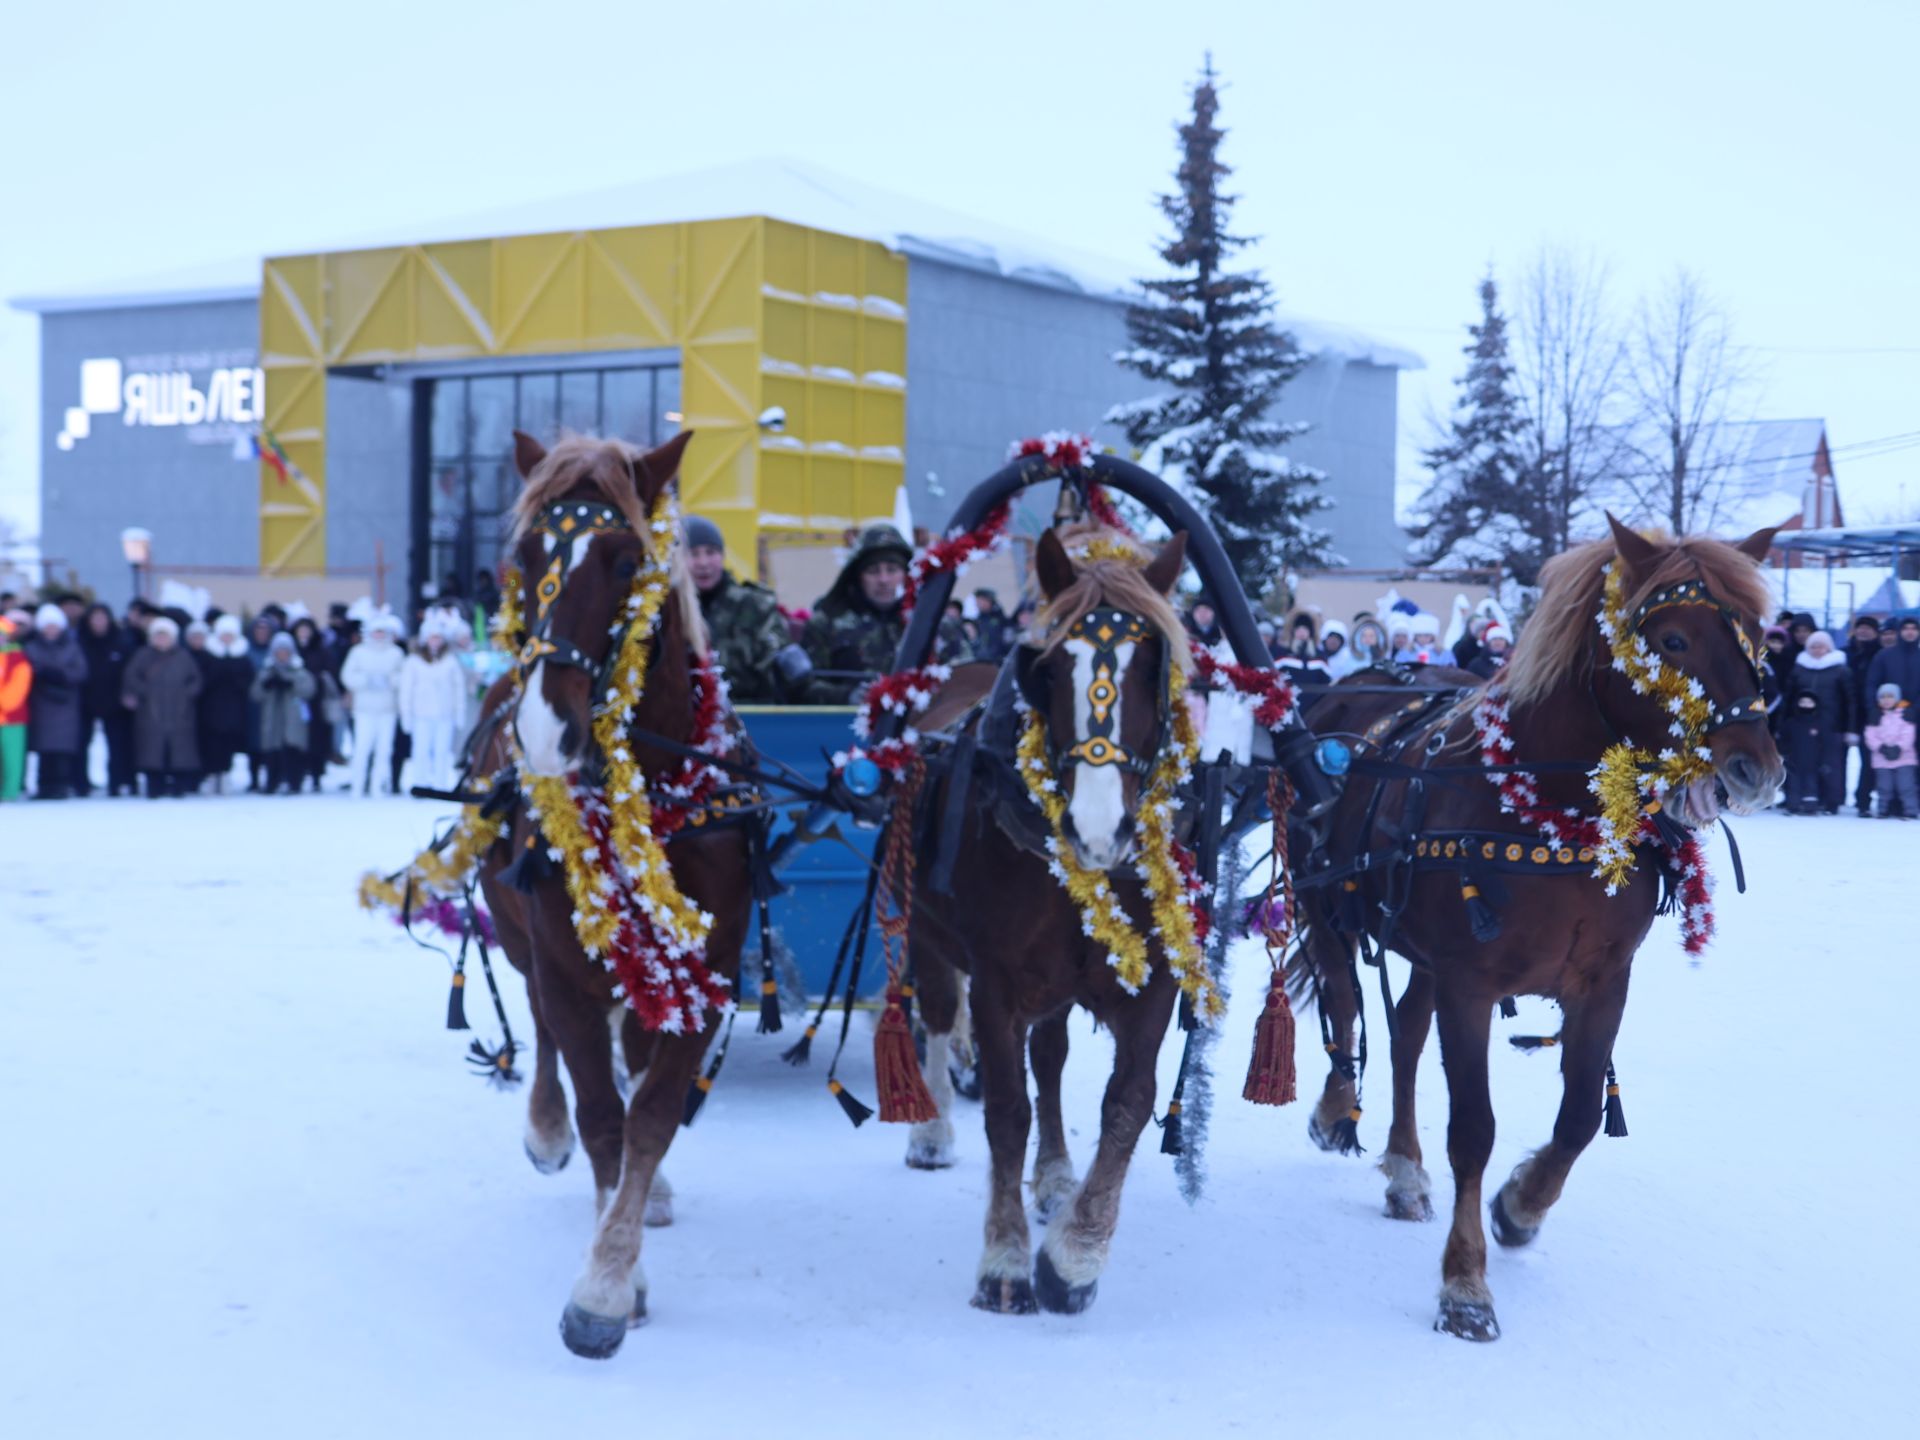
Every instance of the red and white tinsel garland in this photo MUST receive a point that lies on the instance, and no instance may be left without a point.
(687, 789)
(1520, 797)
(1273, 697)
(905, 693)
(955, 551)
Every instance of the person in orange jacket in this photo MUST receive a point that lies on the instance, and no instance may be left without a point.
(16, 679)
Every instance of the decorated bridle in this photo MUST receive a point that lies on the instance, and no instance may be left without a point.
(1105, 629)
(1748, 709)
(561, 524)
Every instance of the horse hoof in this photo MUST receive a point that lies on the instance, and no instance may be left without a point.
(1505, 1229)
(1408, 1205)
(548, 1166)
(590, 1336)
(659, 1212)
(928, 1157)
(1056, 1294)
(1468, 1319)
(1010, 1296)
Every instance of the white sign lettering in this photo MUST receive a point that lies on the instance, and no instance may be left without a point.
(168, 393)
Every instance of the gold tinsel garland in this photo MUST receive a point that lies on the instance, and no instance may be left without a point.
(439, 871)
(1631, 782)
(1102, 917)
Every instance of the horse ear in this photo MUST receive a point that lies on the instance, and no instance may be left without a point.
(1636, 552)
(1756, 545)
(527, 453)
(655, 470)
(1165, 567)
(1052, 565)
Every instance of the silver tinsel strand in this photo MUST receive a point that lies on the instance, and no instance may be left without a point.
(1196, 1109)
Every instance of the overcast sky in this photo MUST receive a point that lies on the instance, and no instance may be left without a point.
(1386, 153)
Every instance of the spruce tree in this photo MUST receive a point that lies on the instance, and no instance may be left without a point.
(1206, 334)
(1483, 504)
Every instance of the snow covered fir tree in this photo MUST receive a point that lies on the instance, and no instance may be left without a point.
(1480, 507)
(1206, 335)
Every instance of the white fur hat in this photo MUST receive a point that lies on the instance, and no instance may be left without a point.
(49, 617)
(162, 625)
(227, 625)
(1425, 624)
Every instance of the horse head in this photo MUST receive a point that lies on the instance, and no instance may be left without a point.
(1696, 604)
(581, 535)
(1099, 681)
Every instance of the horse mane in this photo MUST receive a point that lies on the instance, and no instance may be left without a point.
(1114, 581)
(578, 461)
(1562, 641)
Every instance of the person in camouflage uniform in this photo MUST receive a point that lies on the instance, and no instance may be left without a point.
(856, 626)
(748, 634)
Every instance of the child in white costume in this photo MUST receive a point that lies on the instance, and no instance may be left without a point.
(371, 678)
(433, 704)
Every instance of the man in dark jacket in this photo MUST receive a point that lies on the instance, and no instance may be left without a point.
(748, 634)
(1861, 648)
(108, 646)
(1900, 663)
(993, 629)
(55, 704)
(856, 626)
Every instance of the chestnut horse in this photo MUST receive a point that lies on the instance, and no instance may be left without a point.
(1560, 935)
(1011, 926)
(575, 1008)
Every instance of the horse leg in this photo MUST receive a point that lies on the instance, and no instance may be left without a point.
(1591, 1022)
(549, 1135)
(1329, 954)
(1001, 1037)
(1053, 1178)
(1066, 1272)
(579, 1023)
(632, 1053)
(930, 1143)
(610, 1297)
(1409, 1190)
(1466, 1305)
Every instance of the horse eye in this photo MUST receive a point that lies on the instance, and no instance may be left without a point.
(625, 568)
(1675, 642)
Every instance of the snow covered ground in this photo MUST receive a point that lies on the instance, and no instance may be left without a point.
(249, 1187)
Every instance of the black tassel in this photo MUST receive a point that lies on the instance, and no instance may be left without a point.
(1616, 1112)
(457, 1002)
(1482, 918)
(529, 867)
(1508, 1010)
(1342, 1062)
(856, 1112)
(769, 1006)
(495, 1066)
(696, 1097)
(1171, 1140)
(802, 1049)
(1533, 1042)
(1346, 1134)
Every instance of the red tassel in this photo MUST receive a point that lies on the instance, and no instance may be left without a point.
(1270, 1078)
(904, 1097)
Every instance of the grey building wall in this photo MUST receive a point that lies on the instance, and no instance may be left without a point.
(990, 360)
(180, 481)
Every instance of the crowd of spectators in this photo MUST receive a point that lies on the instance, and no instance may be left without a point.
(175, 704)
(1824, 701)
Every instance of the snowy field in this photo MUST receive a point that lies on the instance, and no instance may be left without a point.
(250, 1188)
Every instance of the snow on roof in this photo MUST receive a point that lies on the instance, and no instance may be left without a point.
(781, 189)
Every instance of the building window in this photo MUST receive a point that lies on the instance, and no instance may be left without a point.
(470, 479)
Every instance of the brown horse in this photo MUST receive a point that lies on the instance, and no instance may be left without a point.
(576, 1011)
(1011, 926)
(1559, 934)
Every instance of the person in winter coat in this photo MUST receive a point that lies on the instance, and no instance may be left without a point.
(259, 638)
(1861, 648)
(16, 679)
(433, 699)
(1900, 663)
(325, 711)
(161, 687)
(1366, 647)
(55, 704)
(1494, 645)
(1890, 748)
(1335, 650)
(371, 678)
(283, 689)
(1775, 670)
(226, 675)
(108, 645)
(1818, 711)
